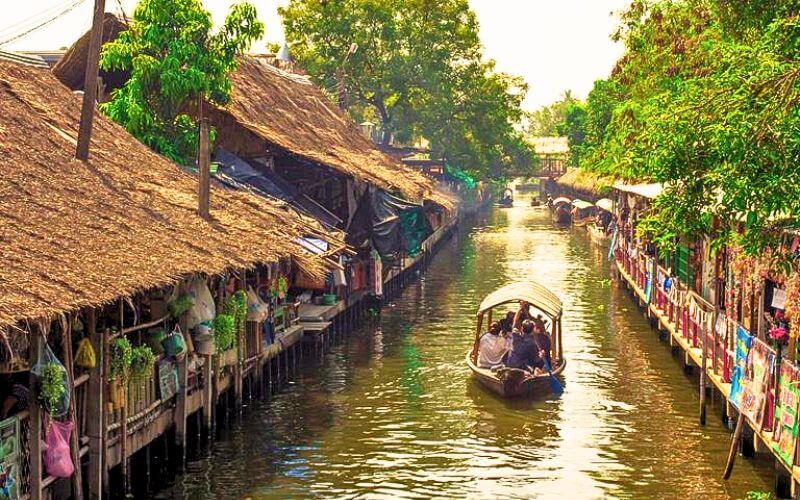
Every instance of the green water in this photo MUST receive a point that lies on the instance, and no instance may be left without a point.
(392, 412)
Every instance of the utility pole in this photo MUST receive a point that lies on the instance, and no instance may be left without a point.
(203, 163)
(90, 81)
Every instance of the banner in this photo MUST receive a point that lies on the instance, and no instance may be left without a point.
(743, 342)
(10, 458)
(613, 243)
(786, 412)
(756, 381)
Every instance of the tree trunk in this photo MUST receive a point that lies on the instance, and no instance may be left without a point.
(386, 119)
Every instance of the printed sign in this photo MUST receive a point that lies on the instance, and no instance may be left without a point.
(9, 458)
(779, 298)
(167, 379)
(743, 342)
(786, 413)
(756, 381)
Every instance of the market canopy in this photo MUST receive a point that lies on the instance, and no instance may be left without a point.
(605, 204)
(581, 204)
(529, 291)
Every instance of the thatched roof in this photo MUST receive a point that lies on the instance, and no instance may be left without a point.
(587, 181)
(287, 110)
(75, 234)
(550, 145)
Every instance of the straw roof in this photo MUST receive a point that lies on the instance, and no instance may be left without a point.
(75, 234)
(71, 68)
(550, 145)
(287, 110)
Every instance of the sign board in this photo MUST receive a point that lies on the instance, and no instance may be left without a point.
(9, 459)
(779, 298)
(756, 381)
(167, 379)
(786, 413)
(743, 342)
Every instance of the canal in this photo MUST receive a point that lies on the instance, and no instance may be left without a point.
(392, 412)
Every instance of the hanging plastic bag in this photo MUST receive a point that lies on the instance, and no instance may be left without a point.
(203, 308)
(257, 310)
(174, 344)
(85, 357)
(51, 373)
(57, 456)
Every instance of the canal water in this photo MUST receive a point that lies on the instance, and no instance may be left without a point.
(392, 412)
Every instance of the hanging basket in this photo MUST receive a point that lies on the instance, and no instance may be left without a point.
(116, 393)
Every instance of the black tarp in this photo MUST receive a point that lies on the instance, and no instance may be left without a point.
(393, 224)
(239, 174)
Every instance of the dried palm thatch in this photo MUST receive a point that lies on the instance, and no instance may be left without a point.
(586, 181)
(287, 110)
(75, 234)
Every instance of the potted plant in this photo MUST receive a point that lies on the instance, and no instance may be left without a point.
(141, 370)
(119, 370)
(52, 388)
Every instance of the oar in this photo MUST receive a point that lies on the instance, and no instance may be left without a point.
(555, 385)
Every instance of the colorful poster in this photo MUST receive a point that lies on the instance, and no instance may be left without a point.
(167, 379)
(786, 414)
(756, 381)
(9, 458)
(743, 342)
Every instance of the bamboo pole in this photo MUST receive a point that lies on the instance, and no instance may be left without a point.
(77, 481)
(124, 431)
(90, 82)
(94, 411)
(203, 163)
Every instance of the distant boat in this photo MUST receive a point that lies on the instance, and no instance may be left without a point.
(561, 209)
(582, 212)
(507, 201)
(512, 382)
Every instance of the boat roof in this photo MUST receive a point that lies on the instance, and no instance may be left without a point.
(561, 200)
(605, 204)
(645, 190)
(581, 204)
(530, 291)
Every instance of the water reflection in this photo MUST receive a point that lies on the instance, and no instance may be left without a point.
(392, 412)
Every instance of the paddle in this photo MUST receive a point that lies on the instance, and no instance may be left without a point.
(555, 385)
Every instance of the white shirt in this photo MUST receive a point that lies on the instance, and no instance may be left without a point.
(491, 350)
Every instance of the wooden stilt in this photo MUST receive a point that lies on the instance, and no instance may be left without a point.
(180, 407)
(208, 393)
(35, 436)
(75, 447)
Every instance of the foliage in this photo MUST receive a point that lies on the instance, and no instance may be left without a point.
(418, 70)
(547, 120)
(51, 387)
(173, 58)
(224, 332)
(121, 358)
(142, 362)
(704, 100)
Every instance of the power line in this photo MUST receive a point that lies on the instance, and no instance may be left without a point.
(23, 24)
(42, 24)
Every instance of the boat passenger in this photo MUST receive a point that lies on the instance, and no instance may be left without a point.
(524, 352)
(543, 343)
(523, 314)
(492, 348)
(507, 323)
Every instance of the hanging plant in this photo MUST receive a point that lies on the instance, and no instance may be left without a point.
(224, 332)
(142, 362)
(52, 389)
(121, 357)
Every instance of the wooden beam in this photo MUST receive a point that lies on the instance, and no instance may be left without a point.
(90, 82)
(203, 164)
(35, 438)
(94, 411)
(77, 482)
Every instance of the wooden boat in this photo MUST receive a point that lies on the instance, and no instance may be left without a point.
(507, 201)
(598, 235)
(561, 209)
(510, 382)
(583, 212)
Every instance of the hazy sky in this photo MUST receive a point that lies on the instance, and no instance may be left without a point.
(553, 44)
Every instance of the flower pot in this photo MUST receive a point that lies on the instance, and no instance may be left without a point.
(204, 344)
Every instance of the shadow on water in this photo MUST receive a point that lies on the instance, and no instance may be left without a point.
(393, 412)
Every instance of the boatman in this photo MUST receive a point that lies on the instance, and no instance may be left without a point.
(492, 348)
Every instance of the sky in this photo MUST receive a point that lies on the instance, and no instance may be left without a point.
(555, 45)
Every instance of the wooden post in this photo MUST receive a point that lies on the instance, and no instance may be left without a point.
(203, 163)
(75, 446)
(90, 81)
(180, 406)
(95, 409)
(123, 445)
(208, 392)
(241, 352)
(35, 437)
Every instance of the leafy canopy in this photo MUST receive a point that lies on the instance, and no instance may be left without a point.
(418, 70)
(705, 100)
(174, 57)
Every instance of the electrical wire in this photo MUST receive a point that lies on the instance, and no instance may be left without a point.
(42, 24)
(23, 24)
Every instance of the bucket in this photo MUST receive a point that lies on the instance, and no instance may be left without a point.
(329, 299)
(204, 344)
(174, 343)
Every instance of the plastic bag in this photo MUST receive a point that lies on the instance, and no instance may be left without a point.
(174, 344)
(57, 457)
(85, 357)
(203, 308)
(44, 358)
(257, 310)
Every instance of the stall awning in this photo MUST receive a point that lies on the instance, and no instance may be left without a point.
(240, 174)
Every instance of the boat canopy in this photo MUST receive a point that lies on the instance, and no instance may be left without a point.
(529, 291)
(562, 200)
(606, 204)
(581, 205)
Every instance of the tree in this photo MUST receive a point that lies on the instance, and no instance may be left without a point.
(545, 121)
(417, 69)
(174, 58)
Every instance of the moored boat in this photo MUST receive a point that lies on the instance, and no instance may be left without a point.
(561, 210)
(582, 212)
(599, 232)
(507, 201)
(511, 382)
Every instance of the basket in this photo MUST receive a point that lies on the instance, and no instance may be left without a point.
(204, 345)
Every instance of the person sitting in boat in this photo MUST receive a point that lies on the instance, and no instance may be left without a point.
(524, 353)
(543, 343)
(492, 348)
(507, 323)
(523, 314)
